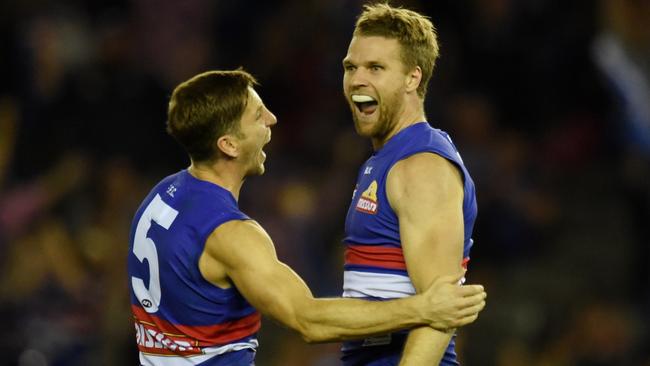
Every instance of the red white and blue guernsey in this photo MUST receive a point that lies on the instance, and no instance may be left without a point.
(180, 318)
(374, 264)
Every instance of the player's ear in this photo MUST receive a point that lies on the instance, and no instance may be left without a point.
(228, 145)
(413, 79)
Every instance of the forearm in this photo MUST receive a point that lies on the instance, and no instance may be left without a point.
(425, 346)
(327, 320)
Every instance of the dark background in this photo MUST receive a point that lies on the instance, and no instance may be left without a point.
(547, 100)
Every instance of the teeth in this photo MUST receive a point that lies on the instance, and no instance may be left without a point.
(362, 98)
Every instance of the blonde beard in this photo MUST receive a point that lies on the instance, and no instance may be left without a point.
(385, 123)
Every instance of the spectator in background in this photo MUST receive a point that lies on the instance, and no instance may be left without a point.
(622, 55)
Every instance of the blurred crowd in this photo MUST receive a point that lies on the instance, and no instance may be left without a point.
(547, 100)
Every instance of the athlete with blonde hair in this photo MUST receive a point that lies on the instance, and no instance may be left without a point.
(414, 204)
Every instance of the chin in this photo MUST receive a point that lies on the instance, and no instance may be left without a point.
(365, 129)
(259, 170)
(364, 132)
(255, 171)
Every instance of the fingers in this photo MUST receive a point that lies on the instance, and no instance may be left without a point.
(464, 303)
(469, 301)
(471, 290)
(466, 320)
(472, 310)
(469, 315)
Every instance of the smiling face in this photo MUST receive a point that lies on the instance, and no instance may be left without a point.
(374, 84)
(254, 132)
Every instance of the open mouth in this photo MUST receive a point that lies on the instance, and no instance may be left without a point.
(268, 139)
(366, 104)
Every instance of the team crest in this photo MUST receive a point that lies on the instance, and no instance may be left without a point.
(368, 201)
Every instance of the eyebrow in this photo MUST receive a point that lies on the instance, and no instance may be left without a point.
(347, 62)
(374, 62)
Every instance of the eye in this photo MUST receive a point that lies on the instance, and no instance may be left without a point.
(349, 67)
(376, 67)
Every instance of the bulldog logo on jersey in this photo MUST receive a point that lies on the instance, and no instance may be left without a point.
(368, 201)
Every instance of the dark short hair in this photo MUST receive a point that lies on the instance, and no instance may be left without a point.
(206, 107)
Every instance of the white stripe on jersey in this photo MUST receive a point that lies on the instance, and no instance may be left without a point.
(372, 284)
(147, 359)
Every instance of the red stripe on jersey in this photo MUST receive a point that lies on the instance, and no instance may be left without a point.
(203, 335)
(465, 262)
(376, 256)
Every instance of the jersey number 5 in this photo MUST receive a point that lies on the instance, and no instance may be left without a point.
(144, 248)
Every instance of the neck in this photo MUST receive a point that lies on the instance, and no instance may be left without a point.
(221, 172)
(411, 113)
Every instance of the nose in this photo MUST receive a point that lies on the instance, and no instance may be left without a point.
(357, 78)
(270, 119)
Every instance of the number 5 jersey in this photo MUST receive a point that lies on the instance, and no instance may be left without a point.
(180, 318)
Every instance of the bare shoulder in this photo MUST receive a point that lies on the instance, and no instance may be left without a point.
(421, 175)
(235, 236)
(234, 245)
(235, 228)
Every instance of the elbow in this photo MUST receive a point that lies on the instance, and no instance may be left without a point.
(306, 331)
(309, 322)
(309, 331)
(309, 338)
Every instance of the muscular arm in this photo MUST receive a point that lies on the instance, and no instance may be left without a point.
(242, 253)
(426, 192)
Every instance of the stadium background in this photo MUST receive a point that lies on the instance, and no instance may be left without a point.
(547, 100)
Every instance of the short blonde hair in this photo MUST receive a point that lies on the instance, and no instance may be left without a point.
(415, 33)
